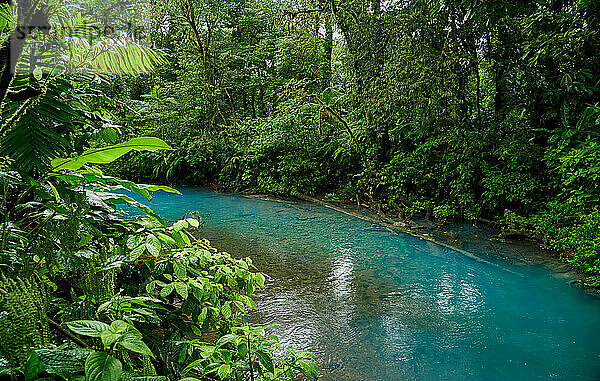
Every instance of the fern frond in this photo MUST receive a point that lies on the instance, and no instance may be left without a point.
(37, 135)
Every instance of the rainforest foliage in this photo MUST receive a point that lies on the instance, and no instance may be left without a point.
(93, 284)
(451, 109)
(482, 110)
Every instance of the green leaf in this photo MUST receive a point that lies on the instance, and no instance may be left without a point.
(167, 290)
(135, 253)
(133, 241)
(185, 237)
(181, 224)
(226, 310)
(99, 366)
(38, 73)
(223, 371)
(150, 287)
(119, 326)
(109, 338)
(193, 222)
(134, 343)
(265, 360)
(55, 192)
(182, 289)
(62, 363)
(202, 315)
(250, 288)
(249, 302)
(90, 328)
(165, 238)
(308, 366)
(179, 270)
(108, 154)
(33, 367)
(153, 245)
(260, 279)
(242, 350)
(225, 339)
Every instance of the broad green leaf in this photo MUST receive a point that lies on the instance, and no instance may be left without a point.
(135, 253)
(179, 270)
(153, 245)
(134, 343)
(38, 73)
(202, 315)
(226, 310)
(225, 339)
(223, 371)
(165, 238)
(249, 302)
(62, 363)
(265, 360)
(193, 222)
(90, 328)
(308, 366)
(260, 279)
(109, 338)
(33, 367)
(182, 289)
(181, 224)
(119, 326)
(242, 349)
(133, 241)
(108, 154)
(150, 287)
(250, 288)
(166, 291)
(185, 237)
(99, 366)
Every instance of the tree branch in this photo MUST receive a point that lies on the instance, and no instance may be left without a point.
(68, 334)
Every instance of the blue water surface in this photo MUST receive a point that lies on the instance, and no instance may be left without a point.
(374, 304)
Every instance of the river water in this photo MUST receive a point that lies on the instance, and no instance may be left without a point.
(374, 304)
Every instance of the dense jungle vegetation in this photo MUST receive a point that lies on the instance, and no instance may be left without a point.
(88, 292)
(451, 109)
(481, 110)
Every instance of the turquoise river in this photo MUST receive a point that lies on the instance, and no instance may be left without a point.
(375, 304)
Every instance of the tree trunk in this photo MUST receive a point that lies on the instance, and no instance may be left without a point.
(328, 48)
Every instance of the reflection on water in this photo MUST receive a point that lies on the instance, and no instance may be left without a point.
(375, 305)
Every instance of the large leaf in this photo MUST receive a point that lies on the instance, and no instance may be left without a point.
(134, 343)
(223, 371)
(90, 328)
(265, 360)
(108, 154)
(179, 270)
(153, 245)
(109, 338)
(62, 363)
(99, 366)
